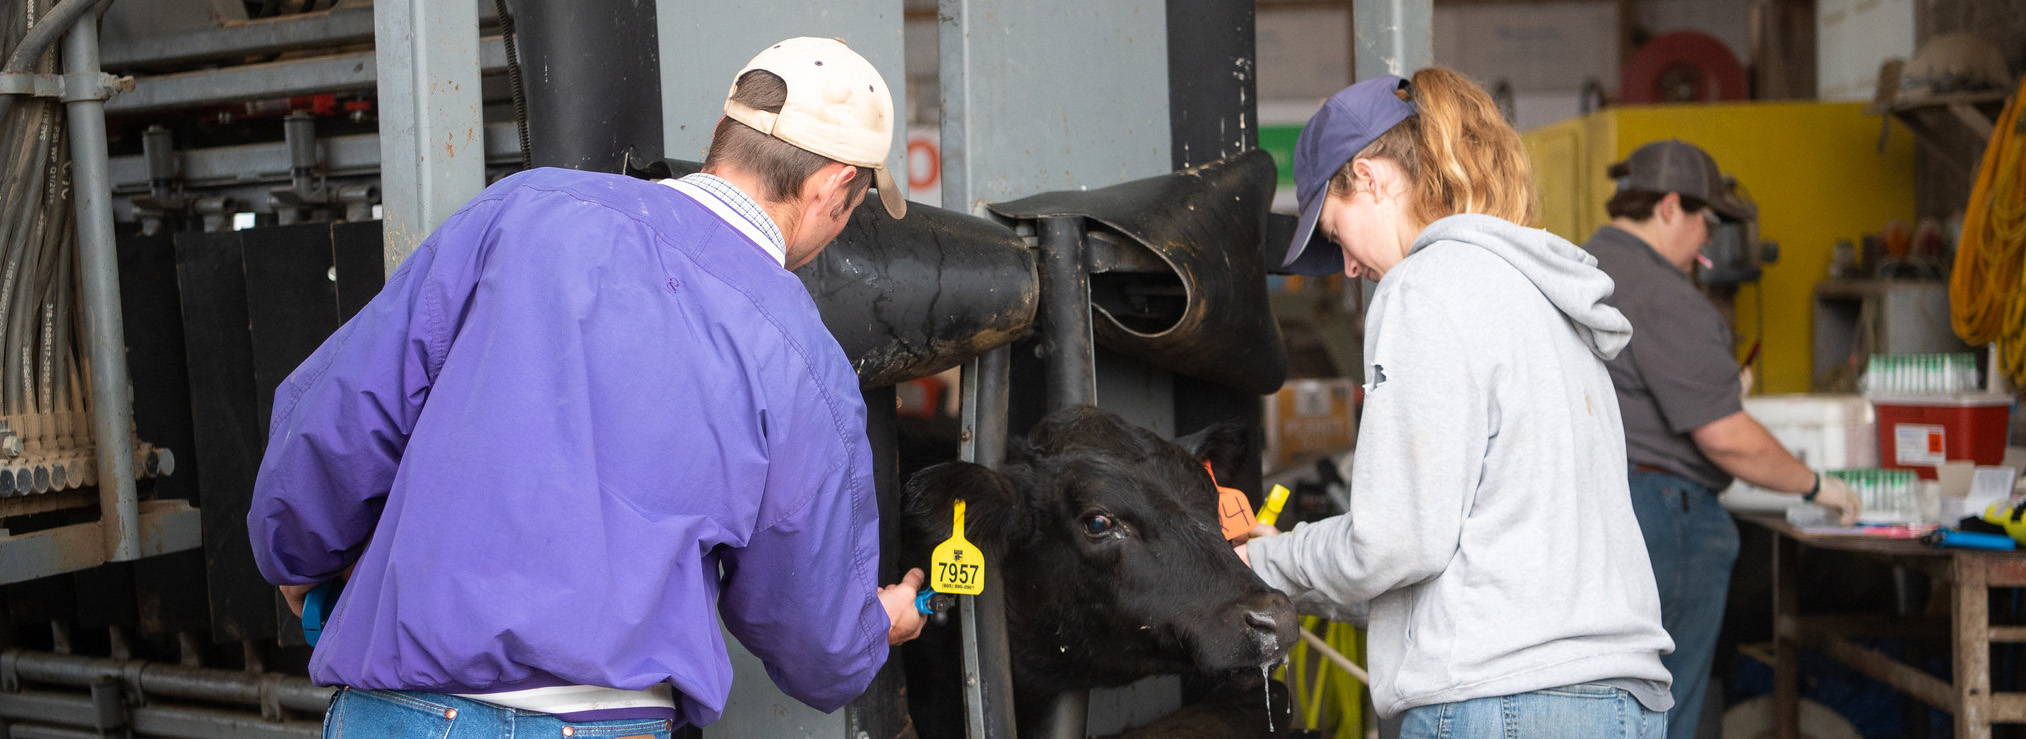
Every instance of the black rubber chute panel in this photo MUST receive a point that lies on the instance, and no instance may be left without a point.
(591, 70)
(1207, 225)
(912, 297)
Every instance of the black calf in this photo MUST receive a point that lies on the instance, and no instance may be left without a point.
(1114, 564)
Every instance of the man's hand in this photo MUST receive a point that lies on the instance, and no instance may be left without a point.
(899, 600)
(294, 594)
(1745, 381)
(1836, 495)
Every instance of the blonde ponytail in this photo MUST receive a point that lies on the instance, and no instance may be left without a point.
(1458, 151)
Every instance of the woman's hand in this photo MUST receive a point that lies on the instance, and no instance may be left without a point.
(1837, 496)
(1256, 532)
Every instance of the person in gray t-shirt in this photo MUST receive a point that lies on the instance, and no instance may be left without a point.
(1680, 393)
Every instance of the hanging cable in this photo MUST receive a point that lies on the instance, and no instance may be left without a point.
(520, 96)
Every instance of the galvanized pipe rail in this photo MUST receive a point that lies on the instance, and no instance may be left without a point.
(269, 691)
(111, 395)
(988, 653)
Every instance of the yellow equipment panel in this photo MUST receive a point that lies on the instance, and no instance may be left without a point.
(1815, 170)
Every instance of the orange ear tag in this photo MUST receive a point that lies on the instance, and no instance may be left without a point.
(957, 566)
(1234, 510)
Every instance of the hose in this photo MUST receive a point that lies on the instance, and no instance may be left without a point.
(38, 367)
(39, 37)
(1986, 299)
(1340, 646)
(46, 32)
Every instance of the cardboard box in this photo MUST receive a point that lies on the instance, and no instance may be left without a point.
(1308, 419)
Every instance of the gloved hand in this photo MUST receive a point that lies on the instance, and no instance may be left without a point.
(1837, 496)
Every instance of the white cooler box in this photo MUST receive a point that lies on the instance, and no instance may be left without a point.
(1826, 432)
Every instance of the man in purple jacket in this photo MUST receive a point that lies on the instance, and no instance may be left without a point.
(587, 418)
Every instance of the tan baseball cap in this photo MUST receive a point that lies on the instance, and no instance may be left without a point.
(837, 107)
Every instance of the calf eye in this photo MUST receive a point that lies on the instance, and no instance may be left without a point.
(1098, 524)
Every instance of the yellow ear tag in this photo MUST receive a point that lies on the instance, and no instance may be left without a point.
(957, 566)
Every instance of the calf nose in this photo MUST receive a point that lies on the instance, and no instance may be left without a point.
(1260, 620)
(1271, 620)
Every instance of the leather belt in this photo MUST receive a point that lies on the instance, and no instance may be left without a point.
(1655, 469)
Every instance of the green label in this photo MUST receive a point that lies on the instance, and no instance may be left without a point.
(1279, 141)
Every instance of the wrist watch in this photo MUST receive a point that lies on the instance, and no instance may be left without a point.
(1814, 491)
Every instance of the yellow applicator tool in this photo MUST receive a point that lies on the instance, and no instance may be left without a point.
(1275, 500)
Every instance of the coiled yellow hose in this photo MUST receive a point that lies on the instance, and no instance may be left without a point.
(1987, 289)
(1345, 695)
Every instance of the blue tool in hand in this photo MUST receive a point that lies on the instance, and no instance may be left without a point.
(317, 605)
(935, 605)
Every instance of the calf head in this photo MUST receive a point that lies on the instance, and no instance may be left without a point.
(1108, 542)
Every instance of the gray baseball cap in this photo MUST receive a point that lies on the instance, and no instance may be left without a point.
(1677, 166)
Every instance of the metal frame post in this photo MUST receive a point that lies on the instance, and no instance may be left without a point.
(112, 411)
(995, 55)
(432, 139)
(1393, 36)
(1072, 380)
(988, 654)
(1065, 314)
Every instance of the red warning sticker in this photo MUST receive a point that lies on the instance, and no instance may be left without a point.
(1919, 445)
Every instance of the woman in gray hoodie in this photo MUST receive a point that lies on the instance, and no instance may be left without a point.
(1490, 531)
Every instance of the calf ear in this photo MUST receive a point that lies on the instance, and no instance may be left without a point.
(1224, 444)
(994, 511)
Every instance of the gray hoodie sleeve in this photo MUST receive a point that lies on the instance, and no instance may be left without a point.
(1420, 455)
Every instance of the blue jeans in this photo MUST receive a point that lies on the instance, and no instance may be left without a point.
(1693, 542)
(1587, 711)
(405, 713)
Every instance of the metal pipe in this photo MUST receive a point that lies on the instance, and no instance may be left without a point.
(31, 731)
(988, 658)
(34, 713)
(112, 413)
(155, 678)
(158, 150)
(1072, 380)
(1065, 313)
(299, 131)
(1067, 716)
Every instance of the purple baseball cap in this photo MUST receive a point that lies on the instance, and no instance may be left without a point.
(1348, 122)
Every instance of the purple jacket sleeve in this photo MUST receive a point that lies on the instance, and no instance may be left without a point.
(342, 418)
(802, 593)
